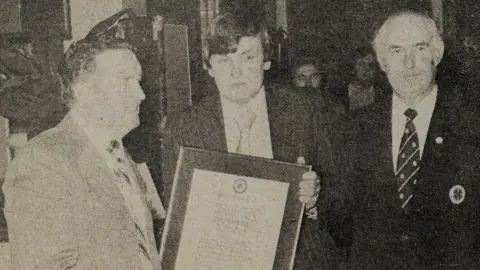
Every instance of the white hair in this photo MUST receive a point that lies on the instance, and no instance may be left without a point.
(436, 42)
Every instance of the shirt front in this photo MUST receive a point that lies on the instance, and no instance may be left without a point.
(131, 191)
(425, 111)
(260, 141)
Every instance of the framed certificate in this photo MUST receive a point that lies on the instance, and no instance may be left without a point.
(230, 211)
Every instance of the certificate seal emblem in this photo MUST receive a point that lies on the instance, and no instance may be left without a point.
(239, 186)
(457, 194)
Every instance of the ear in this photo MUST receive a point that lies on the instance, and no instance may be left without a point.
(437, 50)
(74, 89)
(267, 65)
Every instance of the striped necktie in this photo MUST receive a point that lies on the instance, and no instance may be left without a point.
(408, 160)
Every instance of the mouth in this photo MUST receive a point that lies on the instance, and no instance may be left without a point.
(136, 108)
(413, 75)
(237, 85)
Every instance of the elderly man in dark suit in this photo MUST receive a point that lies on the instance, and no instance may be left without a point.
(247, 117)
(414, 162)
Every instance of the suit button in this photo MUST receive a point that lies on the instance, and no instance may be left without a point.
(404, 238)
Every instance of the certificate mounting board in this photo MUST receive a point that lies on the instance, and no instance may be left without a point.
(207, 198)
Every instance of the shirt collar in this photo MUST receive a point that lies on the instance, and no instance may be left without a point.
(230, 108)
(99, 137)
(424, 107)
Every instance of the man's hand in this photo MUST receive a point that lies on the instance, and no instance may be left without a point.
(309, 188)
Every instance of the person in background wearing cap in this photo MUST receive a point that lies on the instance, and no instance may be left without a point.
(413, 175)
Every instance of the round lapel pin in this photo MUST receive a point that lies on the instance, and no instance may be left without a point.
(439, 140)
(239, 186)
(457, 194)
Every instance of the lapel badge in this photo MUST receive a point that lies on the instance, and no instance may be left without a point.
(301, 160)
(439, 140)
(457, 194)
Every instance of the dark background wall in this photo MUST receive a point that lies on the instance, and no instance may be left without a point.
(331, 30)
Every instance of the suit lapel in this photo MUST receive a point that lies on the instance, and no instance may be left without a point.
(93, 168)
(212, 127)
(444, 117)
(273, 125)
(285, 146)
(436, 157)
(378, 146)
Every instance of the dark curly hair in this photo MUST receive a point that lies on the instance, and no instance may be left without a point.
(230, 27)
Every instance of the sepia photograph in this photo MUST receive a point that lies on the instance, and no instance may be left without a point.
(239, 134)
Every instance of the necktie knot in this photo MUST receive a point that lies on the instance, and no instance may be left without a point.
(113, 147)
(114, 150)
(410, 114)
(245, 119)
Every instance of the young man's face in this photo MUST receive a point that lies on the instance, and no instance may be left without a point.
(239, 75)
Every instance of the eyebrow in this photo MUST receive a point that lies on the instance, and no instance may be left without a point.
(250, 51)
(423, 43)
(395, 47)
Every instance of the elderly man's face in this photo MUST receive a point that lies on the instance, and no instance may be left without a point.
(239, 75)
(408, 59)
(114, 96)
(307, 76)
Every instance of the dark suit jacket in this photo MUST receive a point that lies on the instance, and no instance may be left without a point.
(435, 233)
(293, 132)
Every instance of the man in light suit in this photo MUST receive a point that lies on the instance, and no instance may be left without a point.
(74, 198)
(244, 116)
(414, 162)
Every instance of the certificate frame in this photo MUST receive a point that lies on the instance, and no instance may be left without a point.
(191, 158)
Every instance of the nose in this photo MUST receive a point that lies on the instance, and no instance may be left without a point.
(237, 68)
(138, 91)
(410, 59)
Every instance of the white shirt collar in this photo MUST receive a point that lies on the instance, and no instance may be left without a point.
(260, 141)
(230, 108)
(100, 138)
(424, 107)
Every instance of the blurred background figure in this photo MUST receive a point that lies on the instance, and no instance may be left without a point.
(310, 80)
(361, 87)
(28, 89)
(307, 76)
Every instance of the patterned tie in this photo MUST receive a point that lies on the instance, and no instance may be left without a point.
(119, 169)
(408, 160)
(244, 119)
(121, 172)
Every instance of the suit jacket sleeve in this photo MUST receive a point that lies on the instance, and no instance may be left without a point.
(41, 220)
